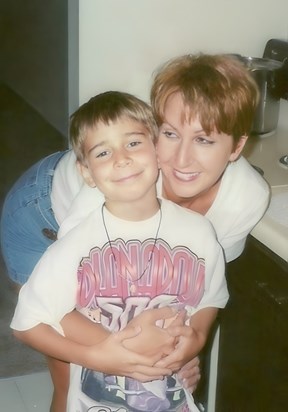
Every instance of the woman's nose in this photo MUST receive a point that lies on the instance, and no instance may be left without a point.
(183, 155)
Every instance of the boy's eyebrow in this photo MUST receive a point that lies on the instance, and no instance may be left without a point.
(132, 133)
(95, 146)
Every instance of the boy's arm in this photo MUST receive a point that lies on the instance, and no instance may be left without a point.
(192, 338)
(109, 356)
(82, 330)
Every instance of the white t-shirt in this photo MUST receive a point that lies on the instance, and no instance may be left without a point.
(187, 268)
(241, 201)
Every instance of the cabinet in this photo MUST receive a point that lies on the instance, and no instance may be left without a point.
(253, 358)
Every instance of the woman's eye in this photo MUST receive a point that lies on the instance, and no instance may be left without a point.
(204, 140)
(169, 134)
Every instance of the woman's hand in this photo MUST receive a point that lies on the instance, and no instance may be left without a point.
(189, 375)
(185, 348)
(191, 341)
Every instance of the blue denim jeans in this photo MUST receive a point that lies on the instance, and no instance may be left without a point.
(28, 224)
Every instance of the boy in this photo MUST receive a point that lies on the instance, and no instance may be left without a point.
(124, 258)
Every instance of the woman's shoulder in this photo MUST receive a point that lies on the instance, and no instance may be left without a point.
(83, 204)
(181, 215)
(243, 196)
(67, 183)
(67, 166)
(243, 180)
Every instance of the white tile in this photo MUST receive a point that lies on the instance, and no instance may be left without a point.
(29, 393)
(36, 391)
(10, 397)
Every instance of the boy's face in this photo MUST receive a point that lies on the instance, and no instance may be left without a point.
(120, 160)
(191, 162)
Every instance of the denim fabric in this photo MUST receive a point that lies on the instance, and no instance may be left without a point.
(28, 225)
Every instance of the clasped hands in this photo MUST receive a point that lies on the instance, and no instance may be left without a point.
(147, 351)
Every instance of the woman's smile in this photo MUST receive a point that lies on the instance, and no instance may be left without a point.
(186, 176)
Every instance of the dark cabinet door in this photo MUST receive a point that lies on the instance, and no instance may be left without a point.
(253, 358)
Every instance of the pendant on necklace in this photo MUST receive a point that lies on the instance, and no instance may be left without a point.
(132, 289)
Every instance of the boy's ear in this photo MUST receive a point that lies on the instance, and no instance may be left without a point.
(238, 149)
(85, 173)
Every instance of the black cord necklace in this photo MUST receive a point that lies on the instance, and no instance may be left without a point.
(132, 286)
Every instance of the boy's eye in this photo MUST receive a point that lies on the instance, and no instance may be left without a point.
(102, 154)
(134, 143)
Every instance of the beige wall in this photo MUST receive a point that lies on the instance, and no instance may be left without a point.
(122, 41)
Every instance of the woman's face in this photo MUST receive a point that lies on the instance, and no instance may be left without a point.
(192, 163)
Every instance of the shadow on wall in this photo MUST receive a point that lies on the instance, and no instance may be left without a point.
(25, 137)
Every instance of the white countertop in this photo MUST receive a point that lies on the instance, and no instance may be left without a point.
(265, 152)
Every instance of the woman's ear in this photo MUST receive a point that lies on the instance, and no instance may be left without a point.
(238, 149)
(85, 173)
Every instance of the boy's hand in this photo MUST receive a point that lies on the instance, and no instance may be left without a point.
(110, 356)
(152, 340)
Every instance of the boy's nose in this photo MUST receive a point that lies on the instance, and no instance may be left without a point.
(122, 160)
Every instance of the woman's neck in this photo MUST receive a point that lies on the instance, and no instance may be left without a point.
(200, 203)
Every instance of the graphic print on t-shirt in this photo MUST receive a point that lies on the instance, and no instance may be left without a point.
(169, 276)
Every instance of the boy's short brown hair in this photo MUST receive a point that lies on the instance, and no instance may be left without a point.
(106, 108)
(217, 88)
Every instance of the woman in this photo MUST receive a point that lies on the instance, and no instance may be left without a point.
(204, 106)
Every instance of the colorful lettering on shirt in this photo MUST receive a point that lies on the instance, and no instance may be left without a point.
(175, 272)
